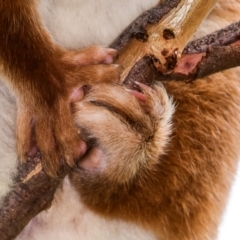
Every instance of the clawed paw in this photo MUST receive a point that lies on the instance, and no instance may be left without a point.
(44, 123)
(143, 94)
(51, 133)
(122, 127)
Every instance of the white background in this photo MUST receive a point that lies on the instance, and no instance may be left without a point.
(230, 227)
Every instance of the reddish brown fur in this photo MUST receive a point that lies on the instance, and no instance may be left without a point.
(43, 76)
(179, 198)
(182, 197)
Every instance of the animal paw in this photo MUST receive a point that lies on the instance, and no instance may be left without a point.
(44, 119)
(123, 128)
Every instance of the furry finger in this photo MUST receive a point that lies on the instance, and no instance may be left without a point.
(93, 55)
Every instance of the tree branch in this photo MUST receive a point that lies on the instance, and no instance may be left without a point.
(223, 37)
(215, 59)
(164, 36)
(32, 192)
(213, 53)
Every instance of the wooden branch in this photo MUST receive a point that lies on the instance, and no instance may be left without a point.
(213, 53)
(223, 37)
(165, 36)
(193, 66)
(33, 190)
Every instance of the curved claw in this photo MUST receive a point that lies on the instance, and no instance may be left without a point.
(140, 96)
(142, 86)
(143, 96)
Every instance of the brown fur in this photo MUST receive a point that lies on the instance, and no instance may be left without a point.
(178, 190)
(181, 194)
(44, 76)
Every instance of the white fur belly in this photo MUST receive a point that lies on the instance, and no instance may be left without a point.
(8, 155)
(79, 23)
(68, 218)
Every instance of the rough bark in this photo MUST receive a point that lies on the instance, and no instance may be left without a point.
(161, 34)
(32, 192)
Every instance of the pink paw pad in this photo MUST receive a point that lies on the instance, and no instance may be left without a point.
(78, 93)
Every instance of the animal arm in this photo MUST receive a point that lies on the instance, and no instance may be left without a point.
(44, 78)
